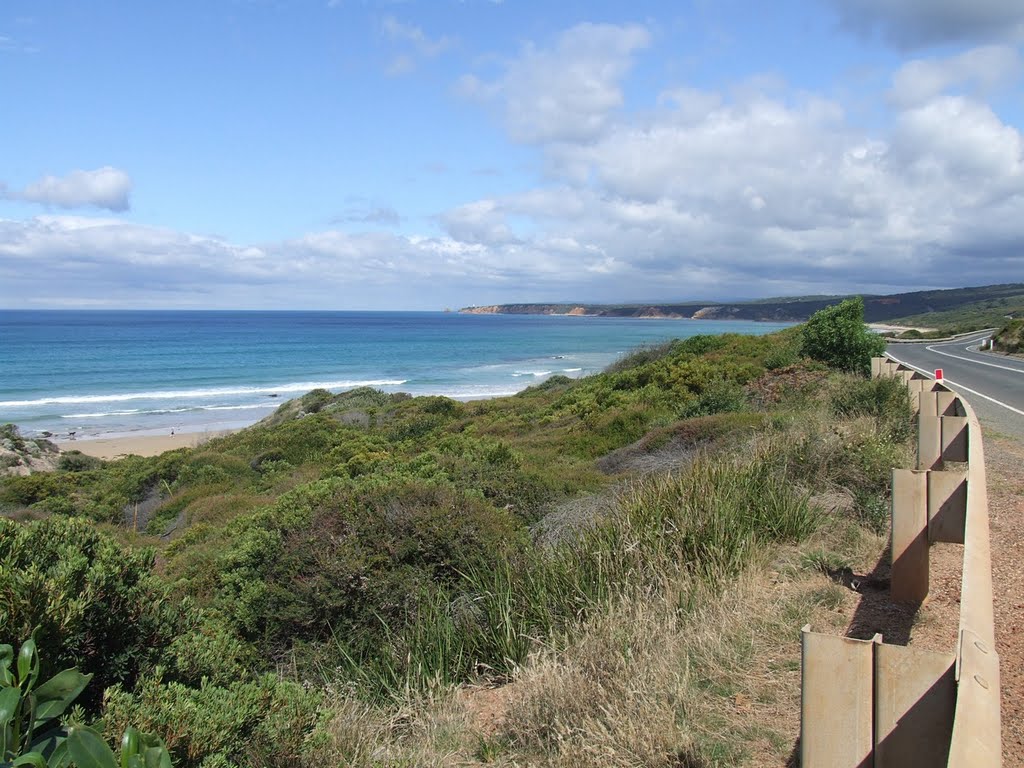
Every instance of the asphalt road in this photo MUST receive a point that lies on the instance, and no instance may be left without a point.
(993, 384)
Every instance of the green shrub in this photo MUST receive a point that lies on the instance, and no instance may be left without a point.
(76, 461)
(30, 733)
(642, 356)
(1010, 338)
(93, 602)
(350, 558)
(263, 722)
(30, 489)
(837, 337)
(206, 648)
(717, 397)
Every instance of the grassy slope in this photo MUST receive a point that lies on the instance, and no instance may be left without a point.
(381, 549)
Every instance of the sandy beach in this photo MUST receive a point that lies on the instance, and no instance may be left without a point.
(146, 445)
(882, 327)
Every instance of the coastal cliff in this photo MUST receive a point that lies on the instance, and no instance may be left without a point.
(794, 309)
(766, 312)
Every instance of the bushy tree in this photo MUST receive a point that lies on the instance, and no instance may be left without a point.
(837, 337)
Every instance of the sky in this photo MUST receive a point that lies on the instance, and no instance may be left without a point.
(380, 154)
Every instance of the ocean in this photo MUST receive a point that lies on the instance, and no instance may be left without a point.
(115, 373)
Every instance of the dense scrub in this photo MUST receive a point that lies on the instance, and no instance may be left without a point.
(990, 312)
(1010, 337)
(386, 546)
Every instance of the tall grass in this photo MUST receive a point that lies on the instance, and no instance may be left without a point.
(701, 525)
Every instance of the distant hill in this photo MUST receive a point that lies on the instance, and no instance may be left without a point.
(944, 307)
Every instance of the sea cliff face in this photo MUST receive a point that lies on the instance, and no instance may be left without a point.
(531, 309)
(596, 310)
(795, 309)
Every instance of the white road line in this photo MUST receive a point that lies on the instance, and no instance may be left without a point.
(958, 386)
(972, 360)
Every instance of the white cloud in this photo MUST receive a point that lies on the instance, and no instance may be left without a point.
(105, 187)
(479, 222)
(982, 69)
(766, 187)
(962, 144)
(568, 92)
(76, 259)
(366, 212)
(915, 23)
(418, 45)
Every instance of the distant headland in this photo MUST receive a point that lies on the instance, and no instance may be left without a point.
(1004, 300)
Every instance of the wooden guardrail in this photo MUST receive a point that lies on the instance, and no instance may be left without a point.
(866, 703)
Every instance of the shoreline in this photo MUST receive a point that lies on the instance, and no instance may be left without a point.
(139, 445)
(882, 327)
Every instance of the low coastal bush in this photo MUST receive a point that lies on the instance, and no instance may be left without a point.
(93, 603)
(263, 722)
(34, 731)
(1010, 337)
(349, 559)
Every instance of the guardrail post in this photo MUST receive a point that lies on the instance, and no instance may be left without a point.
(977, 732)
(836, 701)
(947, 403)
(909, 543)
(927, 708)
(954, 438)
(915, 695)
(947, 506)
(929, 432)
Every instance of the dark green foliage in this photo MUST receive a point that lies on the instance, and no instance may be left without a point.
(28, 707)
(717, 397)
(986, 307)
(91, 601)
(30, 730)
(837, 337)
(642, 356)
(262, 722)
(344, 558)
(12, 433)
(76, 461)
(31, 489)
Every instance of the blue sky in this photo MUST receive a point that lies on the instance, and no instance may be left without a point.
(352, 154)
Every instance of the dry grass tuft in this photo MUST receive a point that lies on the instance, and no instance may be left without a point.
(680, 676)
(423, 731)
(646, 683)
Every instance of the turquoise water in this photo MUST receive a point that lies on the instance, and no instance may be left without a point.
(112, 373)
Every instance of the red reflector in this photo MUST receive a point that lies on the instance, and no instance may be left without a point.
(938, 374)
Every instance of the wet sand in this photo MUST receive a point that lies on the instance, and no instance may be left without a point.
(147, 445)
